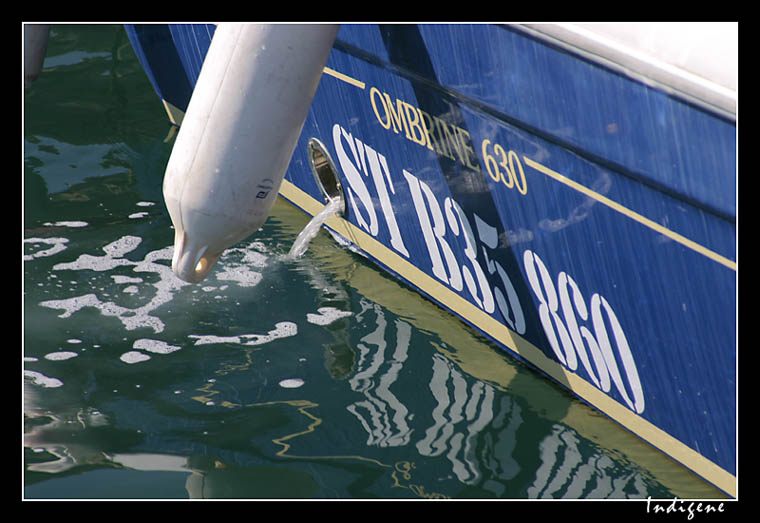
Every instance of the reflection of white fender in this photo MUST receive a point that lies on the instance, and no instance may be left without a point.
(238, 135)
(35, 45)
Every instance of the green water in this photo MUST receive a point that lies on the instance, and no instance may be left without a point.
(274, 378)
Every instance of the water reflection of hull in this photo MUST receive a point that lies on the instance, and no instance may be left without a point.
(444, 428)
(474, 427)
(463, 429)
(574, 239)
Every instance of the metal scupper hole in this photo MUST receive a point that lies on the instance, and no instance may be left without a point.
(325, 174)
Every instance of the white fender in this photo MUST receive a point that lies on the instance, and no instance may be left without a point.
(35, 45)
(238, 135)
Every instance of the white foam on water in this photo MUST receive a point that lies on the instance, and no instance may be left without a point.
(235, 266)
(130, 318)
(122, 246)
(125, 279)
(61, 355)
(58, 245)
(41, 380)
(133, 356)
(258, 246)
(93, 263)
(255, 259)
(113, 257)
(66, 224)
(162, 285)
(326, 315)
(155, 346)
(252, 255)
(242, 275)
(291, 383)
(283, 329)
(209, 339)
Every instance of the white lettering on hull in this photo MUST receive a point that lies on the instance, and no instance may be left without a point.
(577, 330)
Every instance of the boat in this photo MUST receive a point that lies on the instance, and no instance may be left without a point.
(566, 190)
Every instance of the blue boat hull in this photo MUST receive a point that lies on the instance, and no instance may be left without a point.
(580, 219)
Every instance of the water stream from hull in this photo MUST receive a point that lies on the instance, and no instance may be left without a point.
(308, 233)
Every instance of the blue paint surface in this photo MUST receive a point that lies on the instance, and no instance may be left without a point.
(656, 156)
